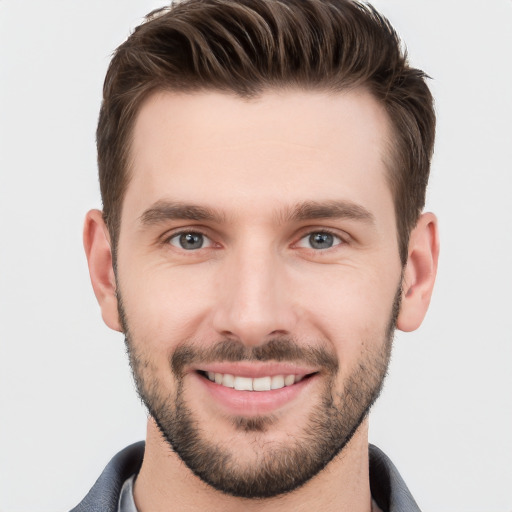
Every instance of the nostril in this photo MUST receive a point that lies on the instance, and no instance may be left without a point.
(279, 332)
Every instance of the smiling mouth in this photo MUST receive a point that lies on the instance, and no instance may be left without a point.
(267, 383)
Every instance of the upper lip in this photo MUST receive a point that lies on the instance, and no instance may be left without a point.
(256, 369)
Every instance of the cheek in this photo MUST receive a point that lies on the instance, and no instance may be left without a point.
(351, 311)
(164, 305)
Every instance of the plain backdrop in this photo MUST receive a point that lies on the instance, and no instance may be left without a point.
(67, 401)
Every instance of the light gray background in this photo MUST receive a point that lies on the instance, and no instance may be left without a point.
(67, 401)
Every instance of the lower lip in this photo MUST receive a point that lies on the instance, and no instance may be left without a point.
(254, 403)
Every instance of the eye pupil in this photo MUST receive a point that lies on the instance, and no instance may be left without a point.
(321, 240)
(191, 241)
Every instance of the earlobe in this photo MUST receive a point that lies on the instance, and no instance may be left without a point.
(420, 273)
(99, 258)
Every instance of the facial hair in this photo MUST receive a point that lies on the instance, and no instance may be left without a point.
(281, 467)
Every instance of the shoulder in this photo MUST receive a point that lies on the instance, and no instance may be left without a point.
(387, 486)
(104, 495)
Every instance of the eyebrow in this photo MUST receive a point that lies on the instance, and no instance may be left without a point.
(163, 211)
(340, 209)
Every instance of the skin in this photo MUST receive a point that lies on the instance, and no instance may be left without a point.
(252, 163)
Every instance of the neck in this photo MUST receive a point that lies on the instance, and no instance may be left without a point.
(165, 484)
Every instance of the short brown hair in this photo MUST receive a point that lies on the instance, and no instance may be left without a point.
(245, 47)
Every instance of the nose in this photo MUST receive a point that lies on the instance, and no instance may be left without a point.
(255, 299)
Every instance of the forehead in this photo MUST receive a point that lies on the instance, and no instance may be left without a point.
(282, 147)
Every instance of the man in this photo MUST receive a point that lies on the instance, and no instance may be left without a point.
(263, 167)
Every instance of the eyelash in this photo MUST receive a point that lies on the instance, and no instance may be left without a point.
(167, 240)
(324, 231)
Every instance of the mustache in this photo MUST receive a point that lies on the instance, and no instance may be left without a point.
(282, 349)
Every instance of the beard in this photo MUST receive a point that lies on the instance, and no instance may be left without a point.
(278, 467)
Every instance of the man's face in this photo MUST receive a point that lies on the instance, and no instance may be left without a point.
(258, 249)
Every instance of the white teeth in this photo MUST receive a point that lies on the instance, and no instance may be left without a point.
(228, 380)
(257, 384)
(277, 382)
(289, 380)
(243, 384)
(261, 384)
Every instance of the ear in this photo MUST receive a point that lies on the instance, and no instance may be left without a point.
(99, 258)
(420, 273)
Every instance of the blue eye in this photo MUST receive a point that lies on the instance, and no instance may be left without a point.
(190, 241)
(319, 240)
